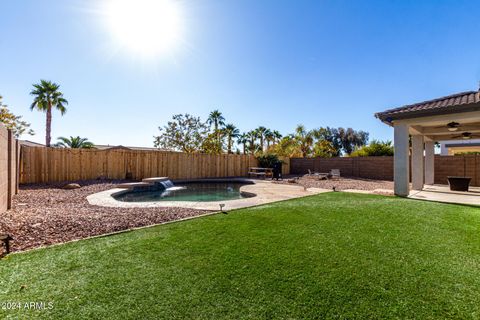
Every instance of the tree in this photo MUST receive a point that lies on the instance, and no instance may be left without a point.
(231, 132)
(331, 136)
(252, 136)
(341, 139)
(243, 140)
(261, 131)
(13, 122)
(324, 149)
(376, 148)
(288, 147)
(74, 143)
(211, 145)
(304, 140)
(269, 138)
(216, 119)
(48, 97)
(351, 139)
(276, 136)
(184, 133)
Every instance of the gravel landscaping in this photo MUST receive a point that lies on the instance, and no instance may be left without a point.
(47, 214)
(344, 183)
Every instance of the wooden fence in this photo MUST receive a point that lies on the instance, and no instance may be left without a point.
(8, 167)
(54, 164)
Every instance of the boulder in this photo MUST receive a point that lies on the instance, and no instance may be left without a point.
(71, 186)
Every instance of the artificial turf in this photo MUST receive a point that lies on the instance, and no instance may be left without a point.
(333, 255)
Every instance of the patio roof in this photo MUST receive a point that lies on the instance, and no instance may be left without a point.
(416, 128)
(461, 102)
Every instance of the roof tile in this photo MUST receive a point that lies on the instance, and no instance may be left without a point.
(439, 104)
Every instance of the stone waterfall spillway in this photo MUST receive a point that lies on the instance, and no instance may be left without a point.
(169, 186)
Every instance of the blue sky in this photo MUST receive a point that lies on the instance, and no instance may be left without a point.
(275, 63)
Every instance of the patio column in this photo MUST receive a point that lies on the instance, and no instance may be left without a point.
(417, 162)
(401, 165)
(429, 162)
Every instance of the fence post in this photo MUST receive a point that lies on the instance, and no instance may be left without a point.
(17, 165)
(10, 169)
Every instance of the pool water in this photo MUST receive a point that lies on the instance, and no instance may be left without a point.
(195, 191)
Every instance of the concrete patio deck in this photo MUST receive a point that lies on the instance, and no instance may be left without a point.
(265, 191)
(442, 193)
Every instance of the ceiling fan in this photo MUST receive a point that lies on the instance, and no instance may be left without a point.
(466, 136)
(451, 126)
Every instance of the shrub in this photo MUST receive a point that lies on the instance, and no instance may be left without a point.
(268, 160)
(374, 149)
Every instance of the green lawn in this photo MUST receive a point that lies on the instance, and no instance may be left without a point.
(334, 255)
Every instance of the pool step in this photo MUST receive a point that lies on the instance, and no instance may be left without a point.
(155, 179)
(147, 182)
(131, 185)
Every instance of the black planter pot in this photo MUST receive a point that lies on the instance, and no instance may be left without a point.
(459, 183)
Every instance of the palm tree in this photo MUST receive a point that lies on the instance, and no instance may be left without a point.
(269, 137)
(216, 118)
(230, 132)
(74, 143)
(305, 139)
(243, 140)
(261, 135)
(276, 136)
(252, 136)
(46, 97)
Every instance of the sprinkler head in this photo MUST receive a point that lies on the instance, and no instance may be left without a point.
(221, 206)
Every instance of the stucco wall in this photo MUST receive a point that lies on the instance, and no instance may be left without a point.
(382, 167)
(363, 167)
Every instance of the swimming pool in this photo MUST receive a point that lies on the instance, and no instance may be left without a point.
(187, 191)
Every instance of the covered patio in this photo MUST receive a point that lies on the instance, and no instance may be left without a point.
(416, 129)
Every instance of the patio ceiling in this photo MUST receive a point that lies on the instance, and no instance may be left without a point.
(440, 130)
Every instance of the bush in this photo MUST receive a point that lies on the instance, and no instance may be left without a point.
(375, 149)
(268, 160)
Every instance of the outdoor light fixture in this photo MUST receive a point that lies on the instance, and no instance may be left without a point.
(464, 136)
(453, 126)
(221, 206)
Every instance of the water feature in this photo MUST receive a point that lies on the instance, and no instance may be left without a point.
(187, 191)
(166, 184)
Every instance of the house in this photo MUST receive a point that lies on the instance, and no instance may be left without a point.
(28, 143)
(452, 147)
(120, 147)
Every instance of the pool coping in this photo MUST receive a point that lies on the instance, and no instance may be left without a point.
(265, 192)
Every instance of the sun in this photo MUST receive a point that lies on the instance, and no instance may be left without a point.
(146, 27)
